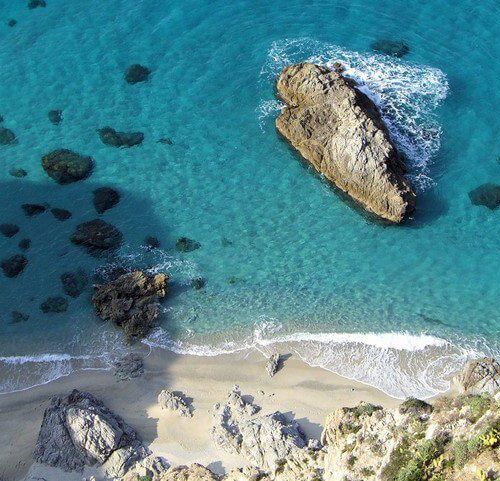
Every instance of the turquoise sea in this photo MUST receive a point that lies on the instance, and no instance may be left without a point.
(288, 265)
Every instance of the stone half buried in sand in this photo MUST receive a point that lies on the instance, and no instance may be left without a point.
(131, 301)
(339, 130)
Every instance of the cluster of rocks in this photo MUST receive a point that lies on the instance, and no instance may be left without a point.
(175, 402)
(339, 130)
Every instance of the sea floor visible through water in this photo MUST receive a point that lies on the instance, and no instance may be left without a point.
(288, 264)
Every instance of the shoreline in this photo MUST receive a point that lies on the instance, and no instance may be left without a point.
(305, 393)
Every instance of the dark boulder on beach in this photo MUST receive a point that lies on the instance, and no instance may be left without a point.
(60, 214)
(7, 137)
(18, 173)
(33, 209)
(24, 244)
(97, 237)
(12, 266)
(36, 3)
(137, 73)
(394, 48)
(112, 137)
(54, 305)
(105, 198)
(9, 230)
(66, 166)
(131, 301)
(74, 283)
(184, 244)
(55, 116)
(487, 195)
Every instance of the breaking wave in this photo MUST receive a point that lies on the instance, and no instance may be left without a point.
(407, 94)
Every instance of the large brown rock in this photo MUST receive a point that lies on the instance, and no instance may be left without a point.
(131, 301)
(339, 130)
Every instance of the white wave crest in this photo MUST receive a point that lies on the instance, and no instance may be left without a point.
(407, 95)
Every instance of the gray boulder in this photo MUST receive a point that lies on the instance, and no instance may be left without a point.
(340, 132)
(274, 364)
(174, 401)
(480, 376)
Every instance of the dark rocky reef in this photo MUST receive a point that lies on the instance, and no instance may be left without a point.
(60, 214)
(487, 195)
(17, 172)
(74, 283)
(66, 166)
(54, 305)
(14, 265)
(9, 230)
(31, 210)
(105, 198)
(185, 244)
(97, 237)
(394, 48)
(137, 73)
(7, 137)
(32, 4)
(110, 136)
(55, 116)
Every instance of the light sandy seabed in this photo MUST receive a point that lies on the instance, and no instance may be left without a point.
(306, 393)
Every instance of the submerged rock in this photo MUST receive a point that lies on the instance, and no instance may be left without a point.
(33, 209)
(55, 116)
(152, 242)
(137, 73)
(36, 3)
(176, 402)
(54, 305)
(74, 283)
(131, 301)
(129, 367)
(97, 237)
(78, 430)
(184, 244)
(487, 195)
(24, 244)
(198, 283)
(394, 48)
(66, 166)
(13, 265)
(7, 137)
(60, 214)
(9, 230)
(19, 173)
(165, 141)
(110, 136)
(480, 376)
(105, 198)
(339, 130)
(12, 22)
(18, 317)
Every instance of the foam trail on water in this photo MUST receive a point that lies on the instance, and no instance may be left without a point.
(407, 95)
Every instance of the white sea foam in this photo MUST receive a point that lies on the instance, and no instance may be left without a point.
(398, 363)
(407, 94)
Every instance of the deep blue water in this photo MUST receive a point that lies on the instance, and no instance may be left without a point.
(398, 307)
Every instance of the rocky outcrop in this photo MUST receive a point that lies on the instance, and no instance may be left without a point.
(105, 198)
(185, 244)
(129, 366)
(274, 364)
(31, 210)
(78, 430)
(55, 116)
(7, 137)
(113, 138)
(262, 440)
(66, 166)
(74, 283)
(137, 73)
(54, 305)
(131, 301)
(487, 195)
(176, 402)
(394, 48)
(13, 265)
(97, 237)
(9, 230)
(480, 375)
(339, 130)
(60, 214)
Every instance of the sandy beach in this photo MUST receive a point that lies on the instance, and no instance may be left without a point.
(305, 393)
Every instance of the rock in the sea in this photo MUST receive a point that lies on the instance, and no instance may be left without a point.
(129, 366)
(480, 376)
(487, 195)
(97, 237)
(74, 283)
(18, 316)
(60, 214)
(176, 402)
(339, 130)
(24, 244)
(12, 22)
(7, 137)
(55, 116)
(394, 48)
(54, 305)
(152, 242)
(78, 430)
(137, 73)
(184, 244)
(262, 440)
(110, 136)
(165, 141)
(198, 283)
(17, 172)
(13, 265)
(66, 166)
(9, 230)
(274, 364)
(105, 198)
(131, 301)
(36, 3)
(33, 209)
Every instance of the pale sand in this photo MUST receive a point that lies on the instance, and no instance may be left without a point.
(306, 393)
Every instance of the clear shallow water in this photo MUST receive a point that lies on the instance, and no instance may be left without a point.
(397, 307)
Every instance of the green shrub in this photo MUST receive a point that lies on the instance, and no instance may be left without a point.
(367, 472)
(411, 472)
(478, 404)
(415, 406)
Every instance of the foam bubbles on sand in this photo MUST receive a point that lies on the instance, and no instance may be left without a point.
(407, 94)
